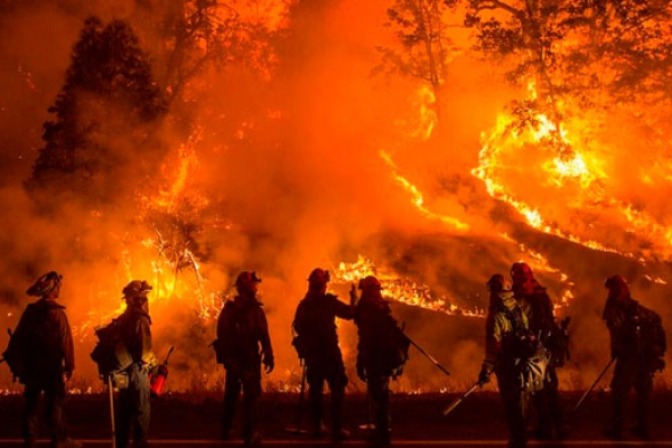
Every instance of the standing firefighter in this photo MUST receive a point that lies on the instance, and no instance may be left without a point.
(41, 355)
(638, 345)
(136, 339)
(538, 307)
(509, 343)
(317, 343)
(242, 345)
(382, 351)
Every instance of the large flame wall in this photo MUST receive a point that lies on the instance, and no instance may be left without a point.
(305, 159)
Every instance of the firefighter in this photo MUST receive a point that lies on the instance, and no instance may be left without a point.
(505, 331)
(381, 352)
(538, 307)
(134, 327)
(638, 346)
(244, 346)
(41, 355)
(316, 342)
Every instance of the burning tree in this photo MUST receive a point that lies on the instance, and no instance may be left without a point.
(425, 45)
(189, 37)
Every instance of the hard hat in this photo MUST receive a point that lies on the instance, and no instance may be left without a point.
(615, 281)
(136, 288)
(519, 268)
(45, 284)
(247, 278)
(496, 282)
(370, 282)
(319, 276)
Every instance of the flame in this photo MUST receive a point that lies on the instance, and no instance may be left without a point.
(572, 168)
(182, 164)
(418, 198)
(400, 289)
(423, 118)
(570, 165)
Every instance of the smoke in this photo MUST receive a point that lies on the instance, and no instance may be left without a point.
(275, 165)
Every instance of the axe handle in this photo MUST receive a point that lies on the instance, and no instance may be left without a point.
(464, 396)
(112, 422)
(169, 353)
(592, 386)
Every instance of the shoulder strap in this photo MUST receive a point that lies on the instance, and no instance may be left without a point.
(515, 317)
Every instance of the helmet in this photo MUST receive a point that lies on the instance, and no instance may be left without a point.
(136, 288)
(615, 282)
(496, 283)
(319, 276)
(520, 268)
(369, 282)
(45, 284)
(247, 278)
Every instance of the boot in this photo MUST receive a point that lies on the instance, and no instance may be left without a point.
(613, 433)
(253, 439)
(340, 434)
(319, 431)
(641, 432)
(67, 443)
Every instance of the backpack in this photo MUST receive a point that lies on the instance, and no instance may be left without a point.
(557, 343)
(110, 353)
(532, 359)
(399, 354)
(14, 356)
(33, 332)
(653, 340)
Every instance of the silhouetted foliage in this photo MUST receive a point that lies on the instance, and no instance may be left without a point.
(100, 135)
(425, 48)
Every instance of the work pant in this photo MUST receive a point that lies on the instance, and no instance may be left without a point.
(54, 395)
(331, 370)
(249, 380)
(546, 404)
(514, 400)
(133, 409)
(628, 374)
(379, 390)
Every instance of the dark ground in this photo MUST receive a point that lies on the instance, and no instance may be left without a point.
(417, 420)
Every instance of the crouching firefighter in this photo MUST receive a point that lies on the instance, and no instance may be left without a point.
(133, 328)
(382, 351)
(243, 344)
(316, 342)
(638, 346)
(515, 356)
(41, 355)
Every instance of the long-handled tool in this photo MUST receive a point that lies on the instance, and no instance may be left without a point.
(592, 386)
(110, 387)
(428, 356)
(463, 397)
(299, 411)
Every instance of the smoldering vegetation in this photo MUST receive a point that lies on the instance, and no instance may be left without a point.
(188, 144)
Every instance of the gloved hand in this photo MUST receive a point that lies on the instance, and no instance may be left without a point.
(353, 294)
(269, 363)
(484, 376)
(361, 371)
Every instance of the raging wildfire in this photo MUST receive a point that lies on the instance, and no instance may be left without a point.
(432, 143)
